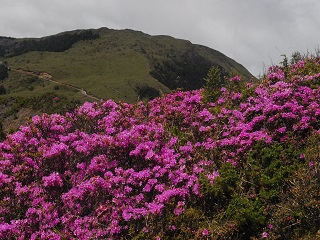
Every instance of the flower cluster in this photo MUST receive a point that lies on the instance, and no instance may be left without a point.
(87, 174)
(92, 172)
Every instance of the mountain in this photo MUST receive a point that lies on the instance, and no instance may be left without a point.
(105, 63)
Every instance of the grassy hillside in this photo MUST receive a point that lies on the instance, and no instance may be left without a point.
(112, 64)
(89, 65)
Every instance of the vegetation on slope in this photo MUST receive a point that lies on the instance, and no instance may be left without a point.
(3, 70)
(112, 65)
(15, 111)
(10, 47)
(240, 164)
(121, 65)
(20, 96)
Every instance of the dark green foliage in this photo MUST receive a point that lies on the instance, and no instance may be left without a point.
(247, 214)
(242, 199)
(267, 167)
(3, 71)
(12, 105)
(181, 71)
(31, 79)
(223, 188)
(3, 91)
(2, 51)
(46, 103)
(54, 43)
(299, 214)
(214, 81)
(146, 92)
(62, 42)
(51, 103)
(296, 57)
(2, 134)
(22, 83)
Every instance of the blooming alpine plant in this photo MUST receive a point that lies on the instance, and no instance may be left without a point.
(87, 174)
(113, 170)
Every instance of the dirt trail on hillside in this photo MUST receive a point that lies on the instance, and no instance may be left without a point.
(48, 77)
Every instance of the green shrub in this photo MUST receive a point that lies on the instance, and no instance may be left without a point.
(3, 91)
(3, 72)
(213, 84)
(146, 92)
(244, 200)
(2, 134)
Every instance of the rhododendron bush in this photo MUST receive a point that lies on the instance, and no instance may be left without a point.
(117, 170)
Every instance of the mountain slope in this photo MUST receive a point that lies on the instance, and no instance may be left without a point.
(117, 64)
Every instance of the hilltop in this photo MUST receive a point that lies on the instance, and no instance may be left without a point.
(93, 64)
(115, 64)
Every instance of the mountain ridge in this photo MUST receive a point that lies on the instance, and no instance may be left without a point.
(165, 63)
(91, 64)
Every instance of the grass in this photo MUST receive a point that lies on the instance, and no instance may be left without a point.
(114, 66)
(96, 66)
(21, 85)
(110, 67)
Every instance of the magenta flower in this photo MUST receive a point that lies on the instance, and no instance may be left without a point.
(173, 227)
(52, 180)
(282, 129)
(96, 170)
(235, 79)
(265, 235)
(205, 232)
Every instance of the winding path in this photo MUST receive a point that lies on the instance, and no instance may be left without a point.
(48, 77)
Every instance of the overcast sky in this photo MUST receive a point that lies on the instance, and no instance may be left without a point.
(255, 33)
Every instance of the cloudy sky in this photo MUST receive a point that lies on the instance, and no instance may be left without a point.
(255, 33)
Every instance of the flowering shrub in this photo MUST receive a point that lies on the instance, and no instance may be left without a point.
(176, 167)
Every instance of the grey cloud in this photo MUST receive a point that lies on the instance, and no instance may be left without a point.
(253, 32)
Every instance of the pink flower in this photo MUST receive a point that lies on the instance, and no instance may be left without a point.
(104, 164)
(173, 227)
(205, 232)
(179, 209)
(282, 129)
(155, 207)
(265, 235)
(235, 79)
(212, 176)
(52, 180)
(252, 195)
(5, 227)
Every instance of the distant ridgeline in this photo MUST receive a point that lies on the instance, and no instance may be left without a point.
(123, 65)
(10, 47)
